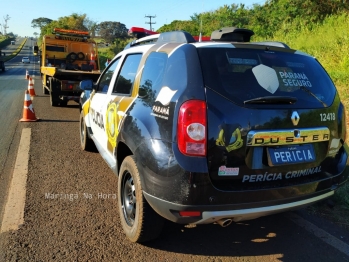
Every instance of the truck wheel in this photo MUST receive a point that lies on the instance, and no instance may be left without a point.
(54, 100)
(139, 221)
(85, 142)
(63, 103)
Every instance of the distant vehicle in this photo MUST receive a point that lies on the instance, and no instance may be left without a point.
(25, 60)
(67, 57)
(12, 42)
(35, 50)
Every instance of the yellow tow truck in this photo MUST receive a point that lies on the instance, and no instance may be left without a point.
(67, 57)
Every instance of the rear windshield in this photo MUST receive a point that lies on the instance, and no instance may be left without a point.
(55, 48)
(245, 74)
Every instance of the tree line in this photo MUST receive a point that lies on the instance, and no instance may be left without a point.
(265, 20)
(108, 30)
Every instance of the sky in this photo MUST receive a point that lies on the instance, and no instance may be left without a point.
(128, 12)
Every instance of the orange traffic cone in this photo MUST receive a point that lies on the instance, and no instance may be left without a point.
(28, 110)
(31, 87)
(26, 74)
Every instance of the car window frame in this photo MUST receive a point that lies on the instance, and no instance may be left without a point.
(114, 64)
(156, 83)
(121, 70)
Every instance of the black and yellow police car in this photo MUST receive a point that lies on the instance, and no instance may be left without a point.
(214, 131)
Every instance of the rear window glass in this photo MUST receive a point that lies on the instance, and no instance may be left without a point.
(160, 71)
(55, 48)
(153, 71)
(244, 74)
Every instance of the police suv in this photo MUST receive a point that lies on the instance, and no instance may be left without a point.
(215, 131)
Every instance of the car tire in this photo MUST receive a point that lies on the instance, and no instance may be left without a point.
(53, 99)
(139, 221)
(85, 141)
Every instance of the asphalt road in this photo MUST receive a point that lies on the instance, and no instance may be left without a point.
(12, 87)
(81, 223)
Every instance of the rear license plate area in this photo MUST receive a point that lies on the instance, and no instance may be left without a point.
(295, 154)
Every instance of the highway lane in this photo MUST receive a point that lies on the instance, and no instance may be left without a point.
(12, 87)
(71, 213)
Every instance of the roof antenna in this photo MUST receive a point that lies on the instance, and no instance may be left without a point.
(200, 35)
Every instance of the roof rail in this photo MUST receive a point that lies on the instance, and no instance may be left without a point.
(272, 43)
(167, 37)
(232, 34)
(142, 41)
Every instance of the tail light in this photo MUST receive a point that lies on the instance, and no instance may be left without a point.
(191, 128)
(342, 122)
(69, 85)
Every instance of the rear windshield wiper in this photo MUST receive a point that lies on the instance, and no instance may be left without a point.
(303, 88)
(272, 100)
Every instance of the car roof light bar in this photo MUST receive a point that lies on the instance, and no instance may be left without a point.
(232, 34)
(140, 32)
(176, 37)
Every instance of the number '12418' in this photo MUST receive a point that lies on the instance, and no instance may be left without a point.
(328, 116)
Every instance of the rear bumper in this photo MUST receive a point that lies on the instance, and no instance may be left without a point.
(189, 191)
(252, 213)
(211, 214)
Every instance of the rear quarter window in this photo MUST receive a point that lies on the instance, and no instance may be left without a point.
(153, 72)
(160, 71)
(124, 82)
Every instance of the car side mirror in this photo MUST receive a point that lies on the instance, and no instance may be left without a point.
(86, 85)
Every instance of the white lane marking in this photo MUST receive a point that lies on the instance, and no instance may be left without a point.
(320, 233)
(14, 208)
